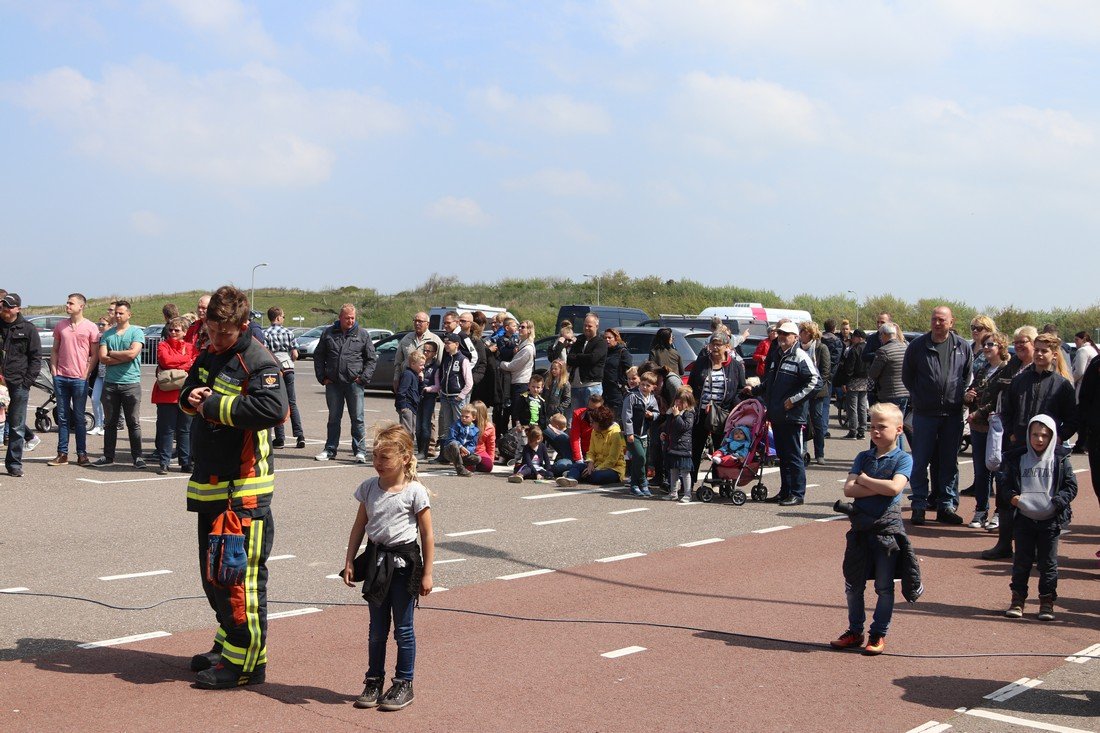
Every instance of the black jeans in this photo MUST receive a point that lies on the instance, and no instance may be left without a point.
(124, 398)
(1036, 544)
(295, 416)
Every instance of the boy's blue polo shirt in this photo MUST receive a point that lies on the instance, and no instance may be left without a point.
(890, 465)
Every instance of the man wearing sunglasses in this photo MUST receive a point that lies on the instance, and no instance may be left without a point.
(20, 361)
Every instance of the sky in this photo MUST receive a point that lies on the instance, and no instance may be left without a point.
(925, 148)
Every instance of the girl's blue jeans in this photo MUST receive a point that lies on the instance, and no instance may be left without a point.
(398, 605)
(598, 476)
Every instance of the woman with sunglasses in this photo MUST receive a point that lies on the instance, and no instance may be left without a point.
(981, 398)
(981, 327)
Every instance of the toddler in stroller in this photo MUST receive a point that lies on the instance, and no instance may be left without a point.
(740, 458)
(734, 449)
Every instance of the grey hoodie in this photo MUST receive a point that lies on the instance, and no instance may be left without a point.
(1037, 474)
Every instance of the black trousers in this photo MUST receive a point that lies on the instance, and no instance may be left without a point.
(1036, 544)
(241, 610)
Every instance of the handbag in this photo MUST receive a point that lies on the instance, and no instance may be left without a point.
(716, 418)
(170, 380)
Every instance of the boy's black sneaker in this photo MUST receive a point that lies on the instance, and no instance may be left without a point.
(400, 695)
(278, 444)
(224, 676)
(917, 518)
(876, 644)
(946, 516)
(372, 692)
(301, 442)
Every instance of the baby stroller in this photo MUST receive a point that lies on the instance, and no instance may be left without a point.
(729, 477)
(45, 417)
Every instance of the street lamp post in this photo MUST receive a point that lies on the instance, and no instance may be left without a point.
(856, 296)
(597, 286)
(252, 290)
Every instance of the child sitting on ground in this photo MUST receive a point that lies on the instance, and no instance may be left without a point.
(533, 461)
(557, 438)
(877, 547)
(486, 438)
(734, 449)
(1042, 484)
(460, 448)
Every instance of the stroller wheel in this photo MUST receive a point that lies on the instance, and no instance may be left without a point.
(43, 424)
(738, 497)
(759, 492)
(89, 420)
(705, 494)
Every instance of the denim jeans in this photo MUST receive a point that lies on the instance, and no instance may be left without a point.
(983, 478)
(124, 398)
(97, 402)
(792, 469)
(855, 404)
(449, 409)
(936, 440)
(17, 418)
(637, 451)
(1036, 543)
(398, 606)
(295, 416)
(337, 395)
(578, 397)
(561, 466)
(173, 426)
(903, 405)
(884, 566)
(425, 419)
(598, 476)
(819, 421)
(72, 398)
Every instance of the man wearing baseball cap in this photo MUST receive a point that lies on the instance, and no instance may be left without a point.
(787, 386)
(20, 361)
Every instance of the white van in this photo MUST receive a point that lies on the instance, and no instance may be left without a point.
(435, 315)
(755, 311)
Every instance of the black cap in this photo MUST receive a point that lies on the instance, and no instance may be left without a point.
(12, 300)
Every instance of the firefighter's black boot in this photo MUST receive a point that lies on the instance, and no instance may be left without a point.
(223, 676)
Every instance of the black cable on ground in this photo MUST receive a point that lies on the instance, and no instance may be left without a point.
(591, 621)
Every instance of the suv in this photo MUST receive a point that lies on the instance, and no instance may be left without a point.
(639, 341)
(610, 316)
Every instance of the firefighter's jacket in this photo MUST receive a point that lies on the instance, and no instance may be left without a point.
(230, 445)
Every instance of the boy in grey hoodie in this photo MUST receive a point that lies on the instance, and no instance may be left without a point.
(1042, 485)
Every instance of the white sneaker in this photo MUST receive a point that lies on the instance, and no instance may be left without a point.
(361, 457)
(32, 444)
(993, 523)
(515, 478)
(686, 498)
(95, 431)
(567, 482)
(323, 456)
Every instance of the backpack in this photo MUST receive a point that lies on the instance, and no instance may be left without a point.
(510, 444)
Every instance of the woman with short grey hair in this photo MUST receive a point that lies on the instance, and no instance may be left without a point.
(886, 370)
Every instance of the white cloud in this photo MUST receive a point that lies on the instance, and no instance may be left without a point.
(147, 223)
(563, 183)
(253, 126)
(338, 24)
(726, 114)
(557, 114)
(456, 210)
(234, 24)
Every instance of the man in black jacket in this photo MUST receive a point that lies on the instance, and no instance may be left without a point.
(587, 354)
(344, 363)
(20, 361)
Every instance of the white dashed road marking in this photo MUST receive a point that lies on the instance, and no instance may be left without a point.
(627, 556)
(770, 529)
(831, 519)
(698, 543)
(280, 557)
(565, 493)
(469, 532)
(123, 640)
(554, 521)
(1013, 720)
(1080, 657)
(631, 511)
(146, 574)
(19, 589)
(623, 652)
(528, 574)
(1012, 690)
(447, 562)
(932, 726)
(295, 612)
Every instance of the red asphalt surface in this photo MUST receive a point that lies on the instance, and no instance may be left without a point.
(494, 674)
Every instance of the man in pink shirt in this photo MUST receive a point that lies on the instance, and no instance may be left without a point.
(74, 356)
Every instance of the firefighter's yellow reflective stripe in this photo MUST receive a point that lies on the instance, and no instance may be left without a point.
(252, 596)
(204, 374)
(263, 464)
(255, 486)
(224, 387)
(234, 654)
(219, 637)
(225, 410)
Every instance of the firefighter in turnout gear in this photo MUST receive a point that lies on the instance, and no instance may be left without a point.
(236, 387)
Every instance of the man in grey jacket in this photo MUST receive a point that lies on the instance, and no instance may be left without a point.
(344, 363)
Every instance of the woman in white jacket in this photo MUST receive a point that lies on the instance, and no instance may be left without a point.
(523, 363)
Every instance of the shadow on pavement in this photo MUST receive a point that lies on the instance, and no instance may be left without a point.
(952, 692)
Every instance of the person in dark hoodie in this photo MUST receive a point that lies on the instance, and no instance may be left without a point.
(20, 362)
(1042, 484)
(877, 547)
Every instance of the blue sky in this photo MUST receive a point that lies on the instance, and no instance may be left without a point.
(922, 149)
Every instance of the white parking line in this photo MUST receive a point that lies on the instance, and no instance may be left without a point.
(770, 529)
(469, 532)
(700, 543)
(1079, 658)
(832, 519)
(812, 486)
(334, 576)
(623, 652)
(528, 574)
(932, 726)
(146, 574)
(447, 562)
(631, 511)
(627, 556)
(554, 521)
(124, 640)
(439, 589)
(280, 557)
(1012, 719)
(295, 612)
(1013, 689)
(20, 589)
(574, 492)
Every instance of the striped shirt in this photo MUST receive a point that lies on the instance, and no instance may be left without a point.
(714, 387)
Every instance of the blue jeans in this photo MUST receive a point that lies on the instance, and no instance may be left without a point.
(449, 412)
(336, 396)
(884, 566)
(903, 405)
(398, 605)
(819, 419)
(72, 398)
(598, 476)
(561, 466)
(425, 416)
(173, 426)
(792, 469)
(936, 440)
(97, 402)
(983, 478)
(295, 416)
(17, 419)
(637, 451)
(578, 397)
